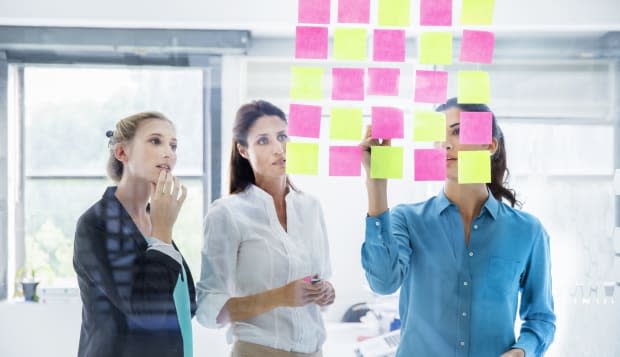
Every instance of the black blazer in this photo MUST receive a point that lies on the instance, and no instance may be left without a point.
(126, 290)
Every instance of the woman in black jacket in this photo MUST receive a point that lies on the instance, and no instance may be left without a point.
(137, 291)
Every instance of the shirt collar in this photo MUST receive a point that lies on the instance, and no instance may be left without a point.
(491, 205)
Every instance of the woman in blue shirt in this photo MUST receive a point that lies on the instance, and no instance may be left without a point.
(461, 259)
(137, 292)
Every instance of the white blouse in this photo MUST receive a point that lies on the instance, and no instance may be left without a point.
(246, 251)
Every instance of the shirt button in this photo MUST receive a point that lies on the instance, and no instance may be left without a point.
(380, 235)
(377, 224)
(464, 314)
(475, 226)
(465, 283)
(471, 254)
(462, 343)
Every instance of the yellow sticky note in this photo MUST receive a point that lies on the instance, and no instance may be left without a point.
(346, 124)
(474, 87)
(307, 83)
(474, 166)
(477, 12)
(429, 126)
(350, 44)
(394, 13)
(436, 48)
(386, 162)
(302, 158)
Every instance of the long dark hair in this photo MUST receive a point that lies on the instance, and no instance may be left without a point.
(241, 174)
(499, 168)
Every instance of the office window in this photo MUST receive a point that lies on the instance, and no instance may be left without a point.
(66, 112)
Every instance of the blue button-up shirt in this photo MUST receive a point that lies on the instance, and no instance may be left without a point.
(458, 299)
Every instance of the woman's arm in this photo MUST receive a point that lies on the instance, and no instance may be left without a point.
(386, 249)
(293, 294)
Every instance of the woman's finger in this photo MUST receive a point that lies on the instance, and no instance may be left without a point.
(161, 182)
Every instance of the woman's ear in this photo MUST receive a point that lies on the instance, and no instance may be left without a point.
(493, 146)
(120, 152)
(243, 151)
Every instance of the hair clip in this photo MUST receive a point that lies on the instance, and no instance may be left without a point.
(109, 133)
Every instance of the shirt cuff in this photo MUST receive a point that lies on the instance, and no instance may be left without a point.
(164, 248)
(528, 343)
(209, 308)
(377, 228)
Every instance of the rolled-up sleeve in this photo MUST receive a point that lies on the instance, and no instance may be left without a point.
(219, 260)
(536, 311)
(386, 251)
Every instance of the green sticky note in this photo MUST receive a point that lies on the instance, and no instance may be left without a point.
(473, 87)
(394, 13)
(477, 12)
(429, 126)
(346, 124)
(302, 158)
(474, 166)
(386, 162)
(350, 44)
(436, 48)
(307, 83)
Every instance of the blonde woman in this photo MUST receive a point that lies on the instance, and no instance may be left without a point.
(137, 291)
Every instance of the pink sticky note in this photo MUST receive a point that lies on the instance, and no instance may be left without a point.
(354, 11)
(387, 123)
(311, 42)
(436, 12)
(348, 83)
(345, 160)
(477, 46)
(430, 164)
(476, 128)
(383, 81)
(431, 86)
(313, 11)
(389, 45)
(304, 120)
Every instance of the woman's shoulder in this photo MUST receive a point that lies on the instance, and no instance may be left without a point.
(520, 218)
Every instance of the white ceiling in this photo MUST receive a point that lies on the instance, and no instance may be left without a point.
(276, 18)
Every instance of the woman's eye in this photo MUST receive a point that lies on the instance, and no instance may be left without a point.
(155, 141)
(262, 141)
(456, 131)
(282, 137)
(174, 147)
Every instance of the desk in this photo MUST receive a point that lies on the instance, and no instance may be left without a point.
(53, 330)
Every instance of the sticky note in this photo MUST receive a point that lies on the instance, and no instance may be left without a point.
(304, 120)
(388, 45)
(345, 160)
(302, 158)
(307, 83)
(476, 128)
(435, 12)
(354, 11)
(429, 164)
(435, 48)
(383, 81)
(348, 83)
(350, 44)
(474, 166)
(311, 42)
(429, 126)
(313, 11)
(431, 86)
(346, 124)
(386, 162)
(394, 13)
(387, 123)
(477, 46)
(477, 12)
(473, 87)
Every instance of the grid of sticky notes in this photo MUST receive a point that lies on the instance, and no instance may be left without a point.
(376, 49)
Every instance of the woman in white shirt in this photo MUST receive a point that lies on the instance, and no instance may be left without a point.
(265, 258)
